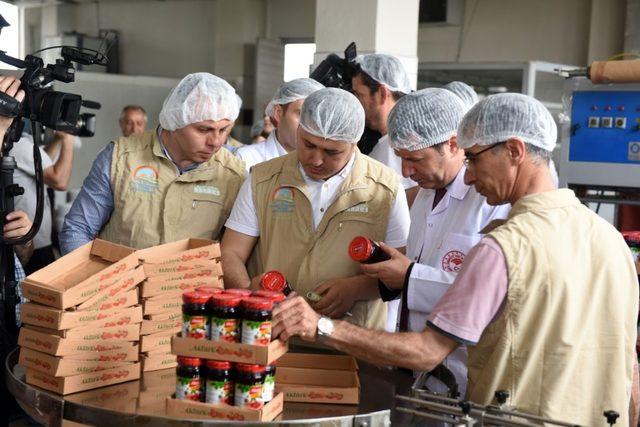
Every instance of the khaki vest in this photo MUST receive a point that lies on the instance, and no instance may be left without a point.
(306, 257)
(155, 205)
(564, 344)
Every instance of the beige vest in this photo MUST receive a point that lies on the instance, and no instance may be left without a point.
(564, 344)
(306, 257)
(155, 205)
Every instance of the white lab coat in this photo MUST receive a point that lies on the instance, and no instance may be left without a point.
(260, 152)
(438, 242)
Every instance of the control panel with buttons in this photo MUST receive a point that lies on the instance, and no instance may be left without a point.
(605, 127)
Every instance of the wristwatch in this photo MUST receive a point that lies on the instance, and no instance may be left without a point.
(325, 326)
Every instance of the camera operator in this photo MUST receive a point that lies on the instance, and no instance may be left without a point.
(133, 119)
(378, 82)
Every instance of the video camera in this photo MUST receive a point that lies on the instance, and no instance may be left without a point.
(334, 71)
(55, 110)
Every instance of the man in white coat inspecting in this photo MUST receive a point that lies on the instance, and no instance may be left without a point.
(284, 111)
(446, 217)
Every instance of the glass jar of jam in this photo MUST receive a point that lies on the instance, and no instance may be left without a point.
(256, 321)
(268, 390)
(366, 251)
(276, 297)
(242, 293)
(188, 385)
(275, 281)
(195, 319)
(224, 323)
(219, 382)
(209, 290)
(249, 385)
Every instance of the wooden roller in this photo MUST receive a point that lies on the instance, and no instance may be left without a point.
(627, 71)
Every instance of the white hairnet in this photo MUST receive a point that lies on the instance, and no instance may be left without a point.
(292, 91)
(386, 70)
(199, 97)
(333, 113)
(465, 92)
(508, 115)
(424, 118)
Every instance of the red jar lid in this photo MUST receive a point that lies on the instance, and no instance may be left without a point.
(273, 281)
(238, 292)
(189, 361)
(226, 300)
(208, 290)
(273, 296)
(360, 248)
(218, 364)
(255, 303)
(245, 367)
(195, 298)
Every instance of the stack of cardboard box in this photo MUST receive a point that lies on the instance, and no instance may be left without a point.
(81, 328)
(172, 269)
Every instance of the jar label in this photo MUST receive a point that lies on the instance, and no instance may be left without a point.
(188, 388)
(269, 388)
(249, 395)
(219, 392)
(223, 329)
(256, 333)
(194, 326)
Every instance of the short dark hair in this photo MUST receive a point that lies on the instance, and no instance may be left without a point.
(372, 84)
(539, 155)
(132, 107)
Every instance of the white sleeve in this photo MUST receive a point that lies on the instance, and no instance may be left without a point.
(426, 286)
(399, 221)
(243, 217)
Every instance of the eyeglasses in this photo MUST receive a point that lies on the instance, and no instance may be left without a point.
(469, 158)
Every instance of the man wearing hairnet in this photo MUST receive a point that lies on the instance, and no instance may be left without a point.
(300, 212)
(446, 217)
(378, 82)
(547, 302)
(168, 184)
(284, 111)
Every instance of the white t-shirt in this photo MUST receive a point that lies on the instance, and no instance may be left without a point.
(244, 218)
(383, 153)
(25, 177)
(261, 152)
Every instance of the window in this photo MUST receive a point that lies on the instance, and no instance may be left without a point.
(432, 11)
(298, 59)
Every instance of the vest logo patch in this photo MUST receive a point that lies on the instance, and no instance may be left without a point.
(207, 189)
(360, 207)
(282, 200)
(452, 261)
(145, 180)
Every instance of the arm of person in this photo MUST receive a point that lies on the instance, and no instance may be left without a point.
(57, 175)
(419, 351)
(93, 206)
(240, 237)
(11, 86)
(17, 224)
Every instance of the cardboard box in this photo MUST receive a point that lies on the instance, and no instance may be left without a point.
(115, 397)
(51, 318)
(161, 305)
(161, 349)
(233, 352)
(158, 362)
(123, 333)
(57, 346)
(150, 342)
(127, 299)
(159, 379)
(79, 275)
(190, 409)
(318, 378)
(129, 281)
(63, 367)
(159, 286)
(180, 251)
(67, 385)
(160, 326)
(168, 315)
(128, 354)
(153, 270)
(156, 397)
